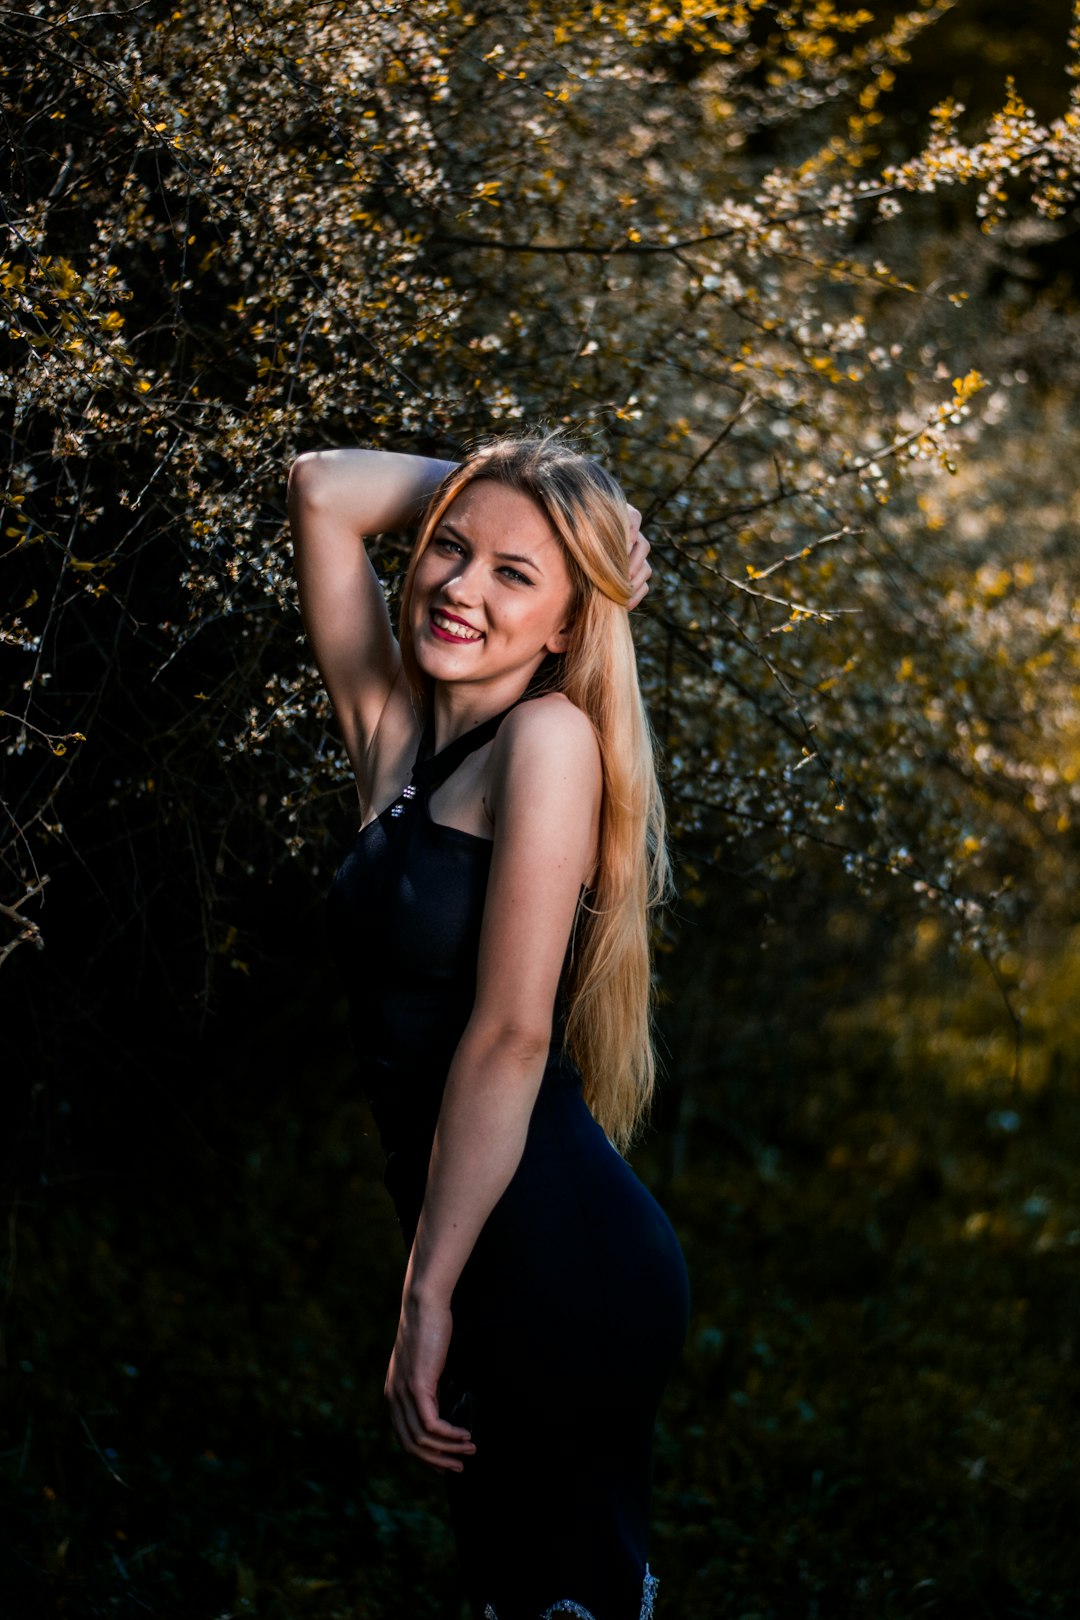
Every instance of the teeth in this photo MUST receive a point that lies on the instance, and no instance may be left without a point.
(452, 628)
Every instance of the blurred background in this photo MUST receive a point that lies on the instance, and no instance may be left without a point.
(806, 278)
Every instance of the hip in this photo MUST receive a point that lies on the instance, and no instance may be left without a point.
(577, 1245)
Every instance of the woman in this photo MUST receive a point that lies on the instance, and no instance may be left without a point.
(490, 920)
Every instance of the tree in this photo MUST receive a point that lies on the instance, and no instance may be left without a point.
(242, 234)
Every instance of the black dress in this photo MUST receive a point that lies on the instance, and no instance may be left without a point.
(573, 1304)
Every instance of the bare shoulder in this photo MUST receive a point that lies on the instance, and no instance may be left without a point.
(548, 725)
(547, 744)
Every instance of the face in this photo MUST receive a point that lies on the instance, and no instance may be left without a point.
(492, 593)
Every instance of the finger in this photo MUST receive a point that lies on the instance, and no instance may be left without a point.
(454, 1441)
(445, 1462)
(441, 1465)
(639, 552)
(639, 586)
(447, 1433)
(435, 1427)
(427, 1450)
(418, 1424)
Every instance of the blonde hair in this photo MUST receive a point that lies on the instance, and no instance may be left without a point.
(609, 1024)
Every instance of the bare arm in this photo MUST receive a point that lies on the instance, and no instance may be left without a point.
(335, 498)
(546, 812)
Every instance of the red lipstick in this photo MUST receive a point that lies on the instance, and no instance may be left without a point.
(445, 635)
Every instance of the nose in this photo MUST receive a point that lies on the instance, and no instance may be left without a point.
(461, 585)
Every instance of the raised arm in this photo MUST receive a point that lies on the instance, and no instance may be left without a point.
(336, 497)
(546, 765)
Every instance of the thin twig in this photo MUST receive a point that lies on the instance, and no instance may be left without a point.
(747, 404)
(29, 932)
(104, 1460)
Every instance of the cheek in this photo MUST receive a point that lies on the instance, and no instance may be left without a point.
(428, 574)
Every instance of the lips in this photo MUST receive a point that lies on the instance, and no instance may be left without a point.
(448, 627)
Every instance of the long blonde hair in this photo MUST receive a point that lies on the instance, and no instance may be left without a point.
(609, 1025)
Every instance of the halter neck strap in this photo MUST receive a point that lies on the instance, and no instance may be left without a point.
(430, 770)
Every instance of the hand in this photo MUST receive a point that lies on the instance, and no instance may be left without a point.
(639, 552)
(423, 1338)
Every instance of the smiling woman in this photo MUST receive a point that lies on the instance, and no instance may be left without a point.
(490, 919)
(493, 577)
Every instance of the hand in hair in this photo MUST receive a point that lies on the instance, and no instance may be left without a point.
(639, 554)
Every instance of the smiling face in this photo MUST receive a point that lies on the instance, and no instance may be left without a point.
(492, 593)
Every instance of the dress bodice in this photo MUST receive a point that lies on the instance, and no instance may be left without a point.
(405, 911)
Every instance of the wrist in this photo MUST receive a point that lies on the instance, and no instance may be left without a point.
(424, 1288)
(421, 1295)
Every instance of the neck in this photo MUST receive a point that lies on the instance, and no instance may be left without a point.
(461, 706)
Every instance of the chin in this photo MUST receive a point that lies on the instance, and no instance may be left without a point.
(440, 660)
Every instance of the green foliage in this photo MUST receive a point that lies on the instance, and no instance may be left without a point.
(248, 230)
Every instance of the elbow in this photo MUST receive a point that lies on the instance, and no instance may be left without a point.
(305, 480)
(521, 1043)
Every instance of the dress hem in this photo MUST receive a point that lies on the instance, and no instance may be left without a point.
(567, 1609)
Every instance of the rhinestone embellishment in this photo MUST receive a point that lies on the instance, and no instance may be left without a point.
(569, 1608)
(407, 793)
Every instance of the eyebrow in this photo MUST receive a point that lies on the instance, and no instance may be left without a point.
(503, 556)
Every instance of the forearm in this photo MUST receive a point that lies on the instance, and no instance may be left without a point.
(372, 491)
(483, 1123)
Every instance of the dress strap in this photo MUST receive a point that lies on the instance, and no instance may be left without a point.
(430, 770)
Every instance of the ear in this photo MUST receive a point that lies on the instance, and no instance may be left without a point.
(560, 639)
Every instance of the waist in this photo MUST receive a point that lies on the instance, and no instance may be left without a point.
(405, 1101)
(405, 1096)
